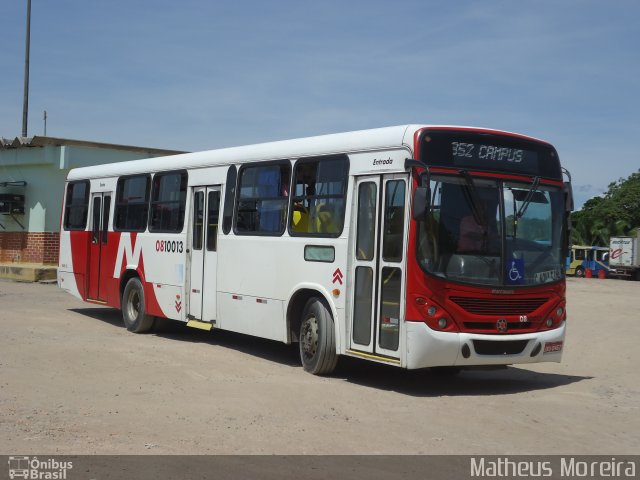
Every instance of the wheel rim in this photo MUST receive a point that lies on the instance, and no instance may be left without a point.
(309, 337)
(133, 304)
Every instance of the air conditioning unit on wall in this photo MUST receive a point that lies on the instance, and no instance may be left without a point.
(11, 204)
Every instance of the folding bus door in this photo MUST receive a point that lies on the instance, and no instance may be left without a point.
(98, 270)
(203, 253)
(378, 264)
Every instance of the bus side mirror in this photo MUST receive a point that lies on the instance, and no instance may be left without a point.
(568, 197)
(568, 207)
(420, 204)
(422, 194)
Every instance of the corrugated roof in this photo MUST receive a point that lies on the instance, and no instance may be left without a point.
(38, 141)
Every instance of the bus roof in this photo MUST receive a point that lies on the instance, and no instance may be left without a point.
(362, 140)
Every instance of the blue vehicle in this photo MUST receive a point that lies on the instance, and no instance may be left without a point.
(581, 258)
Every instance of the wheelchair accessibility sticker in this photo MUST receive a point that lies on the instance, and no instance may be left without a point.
(515, 271)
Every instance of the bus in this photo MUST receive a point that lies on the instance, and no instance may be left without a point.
(581, 258)
(414, 246)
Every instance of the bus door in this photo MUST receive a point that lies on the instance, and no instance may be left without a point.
(98, 268)
(378, 264)
(203, 253)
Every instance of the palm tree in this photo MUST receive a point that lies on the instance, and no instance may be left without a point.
(600, 233)
(621, 227)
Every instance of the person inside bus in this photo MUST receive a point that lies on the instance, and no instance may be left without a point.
(301, 212)
(472, 235)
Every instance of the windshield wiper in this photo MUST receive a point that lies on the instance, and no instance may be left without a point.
(477, 207)
(528, 198)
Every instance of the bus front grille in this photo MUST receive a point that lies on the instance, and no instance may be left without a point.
(491, 326)
(499, 306)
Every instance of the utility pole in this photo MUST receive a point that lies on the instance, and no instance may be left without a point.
(25, 104)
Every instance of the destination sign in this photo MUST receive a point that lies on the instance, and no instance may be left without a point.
(463, 153)
(490, 153)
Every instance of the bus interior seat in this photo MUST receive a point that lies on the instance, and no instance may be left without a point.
(269, 186)
(300, 219)
(322, 219)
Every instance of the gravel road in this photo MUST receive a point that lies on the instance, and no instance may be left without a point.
(74, 381)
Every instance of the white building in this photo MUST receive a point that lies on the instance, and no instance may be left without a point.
(32, 175)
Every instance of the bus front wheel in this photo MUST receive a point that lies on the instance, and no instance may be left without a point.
(579, 272)
(317, 338)
(133, 308)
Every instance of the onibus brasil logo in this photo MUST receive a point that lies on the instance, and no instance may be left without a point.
(33, 468)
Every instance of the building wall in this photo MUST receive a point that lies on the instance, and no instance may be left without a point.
(29, 247)
(33, 237)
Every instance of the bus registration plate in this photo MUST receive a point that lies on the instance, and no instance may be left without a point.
(551, 347)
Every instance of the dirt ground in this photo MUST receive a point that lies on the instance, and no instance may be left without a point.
(74, 381)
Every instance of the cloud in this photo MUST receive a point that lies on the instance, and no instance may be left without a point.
(589, 189)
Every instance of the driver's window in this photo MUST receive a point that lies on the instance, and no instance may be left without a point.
(528, 215)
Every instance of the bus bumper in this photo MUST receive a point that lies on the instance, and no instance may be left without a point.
(430, 348)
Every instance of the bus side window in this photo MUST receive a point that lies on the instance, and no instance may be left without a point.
(132, 203)
(168, 201)
(76, 206)
(262, 199)
(318, 196)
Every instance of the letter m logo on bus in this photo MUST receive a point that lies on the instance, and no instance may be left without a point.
(128, 250)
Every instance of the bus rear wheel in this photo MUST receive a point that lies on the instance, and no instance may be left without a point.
(133, 308)
(317, 338)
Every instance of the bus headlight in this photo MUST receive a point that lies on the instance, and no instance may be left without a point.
(559, 312)
(442, 323)
(431, 311)
(549, 322)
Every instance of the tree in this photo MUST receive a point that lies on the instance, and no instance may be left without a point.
(616, 213)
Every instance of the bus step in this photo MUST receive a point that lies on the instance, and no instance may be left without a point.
(201, 325)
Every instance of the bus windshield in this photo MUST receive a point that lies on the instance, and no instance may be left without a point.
(492, 232)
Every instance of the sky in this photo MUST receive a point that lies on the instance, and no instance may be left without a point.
(197, 75)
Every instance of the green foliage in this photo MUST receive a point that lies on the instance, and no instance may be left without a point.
(617, 213)
(535, 229)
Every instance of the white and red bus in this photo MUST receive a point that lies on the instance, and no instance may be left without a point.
(416, 246)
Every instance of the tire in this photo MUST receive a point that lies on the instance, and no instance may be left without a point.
(579, 272)
(317, 338)
(133, 308)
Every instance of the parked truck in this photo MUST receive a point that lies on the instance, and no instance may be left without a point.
(624, 256)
